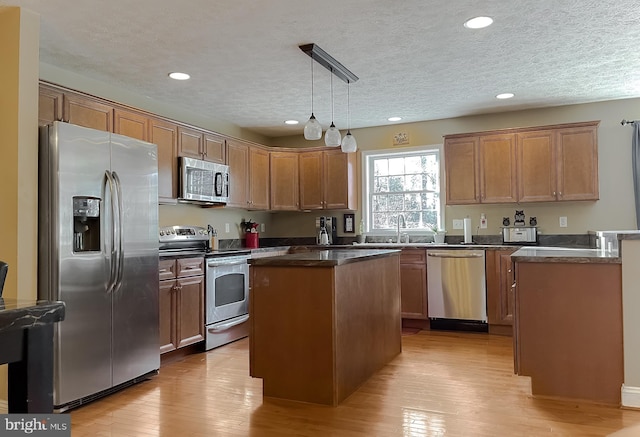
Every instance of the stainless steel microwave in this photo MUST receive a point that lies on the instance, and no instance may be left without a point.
(203, 181)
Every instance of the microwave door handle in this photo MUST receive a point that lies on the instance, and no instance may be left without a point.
(218, 188)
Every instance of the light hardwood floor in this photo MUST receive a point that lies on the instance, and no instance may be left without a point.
(443, 384)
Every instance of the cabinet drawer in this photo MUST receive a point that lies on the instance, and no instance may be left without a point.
(167, 269)
(413, 256)
(190, 267)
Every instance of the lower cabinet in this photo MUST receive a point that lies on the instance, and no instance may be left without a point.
(413, 284)
(181, 302)
(500, 292)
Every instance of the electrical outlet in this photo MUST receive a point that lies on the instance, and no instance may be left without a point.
(261, 227)
(227, 228)
(483, 221)
(458, 224)
(563, 222)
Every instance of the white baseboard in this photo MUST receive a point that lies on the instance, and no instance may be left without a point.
(4, 406)
(630, 396)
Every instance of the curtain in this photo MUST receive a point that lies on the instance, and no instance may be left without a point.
(635, 160)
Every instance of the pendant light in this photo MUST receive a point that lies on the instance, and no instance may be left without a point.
(313, 129)
(349, 144)
(332, 136)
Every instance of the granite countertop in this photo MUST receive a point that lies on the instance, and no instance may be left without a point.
(20, 314)
(324, 258)
(434, 246)
(564, 255)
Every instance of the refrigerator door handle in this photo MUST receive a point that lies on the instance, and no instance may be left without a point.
(119, 226)
(112, 259)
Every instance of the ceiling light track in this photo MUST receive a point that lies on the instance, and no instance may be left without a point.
(329, 62)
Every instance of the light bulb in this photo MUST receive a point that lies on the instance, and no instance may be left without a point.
(332, 136)
(349, 144)
(313, 129)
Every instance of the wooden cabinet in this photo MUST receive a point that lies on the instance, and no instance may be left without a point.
(541, 164)
(164, 134)
(327, 180)
(87, 112)
(199, 144)
(49, 105)
(181, 302)
(558, 164)
(481, 169)
(413, 284)
(285, 192)
(131, 124)
(500, 292)
(248, 175)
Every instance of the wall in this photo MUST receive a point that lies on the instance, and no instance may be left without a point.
(614, 210)
(19, 33)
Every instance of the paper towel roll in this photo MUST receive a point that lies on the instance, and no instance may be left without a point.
(467, 231)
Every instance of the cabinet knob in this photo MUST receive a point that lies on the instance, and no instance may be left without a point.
(560, 193)
(554, 194)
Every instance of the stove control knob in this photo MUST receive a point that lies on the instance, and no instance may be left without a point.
(161, 233)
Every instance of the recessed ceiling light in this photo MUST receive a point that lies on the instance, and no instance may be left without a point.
(394, 118)
(505, 96)
(179, 76)
(478, 22)
(291, 122)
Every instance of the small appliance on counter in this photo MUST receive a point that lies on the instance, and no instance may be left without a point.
(326, 230)
(520, 235)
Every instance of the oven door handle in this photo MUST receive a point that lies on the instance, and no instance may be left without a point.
(222, 263)
(231, 324)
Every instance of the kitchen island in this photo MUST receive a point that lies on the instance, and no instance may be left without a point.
(568, 323)
(323, 321)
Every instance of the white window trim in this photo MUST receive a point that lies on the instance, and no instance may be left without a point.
(366, 207)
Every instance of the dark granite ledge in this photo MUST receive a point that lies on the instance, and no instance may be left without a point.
(21, 314)
(323, 258)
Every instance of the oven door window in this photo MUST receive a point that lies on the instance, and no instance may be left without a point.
(230, 289)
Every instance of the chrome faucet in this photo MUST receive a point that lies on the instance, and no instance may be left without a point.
(404, 225)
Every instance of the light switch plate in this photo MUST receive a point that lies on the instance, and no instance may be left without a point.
(458, 224)
(563, 222)
(227, 228)
(261, 227)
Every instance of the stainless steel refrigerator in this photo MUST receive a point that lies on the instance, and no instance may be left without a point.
(98, 252)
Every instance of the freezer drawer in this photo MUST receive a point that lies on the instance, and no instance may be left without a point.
(456, 284)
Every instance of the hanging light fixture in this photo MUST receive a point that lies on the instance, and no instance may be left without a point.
(332, 136)
(349, 144)
(313, 129)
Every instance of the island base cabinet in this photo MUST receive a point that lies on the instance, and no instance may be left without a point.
(318, 333)
(568, 330)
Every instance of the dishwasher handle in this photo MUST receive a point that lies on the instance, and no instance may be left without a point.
(450, 255)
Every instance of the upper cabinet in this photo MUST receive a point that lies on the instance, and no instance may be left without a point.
(327, 180)
(164, 134)
(550, 163)
(199, 144)
(49, 105)
(285, 192)
(131, 123)
(57, 105)
(248, 175)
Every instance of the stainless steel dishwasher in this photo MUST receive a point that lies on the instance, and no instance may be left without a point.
(456, 284)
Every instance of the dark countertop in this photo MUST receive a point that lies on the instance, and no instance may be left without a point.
(434, 246)
(565, 255)
(20, 314)
(324, 258)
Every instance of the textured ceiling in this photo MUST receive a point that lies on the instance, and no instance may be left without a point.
(414, 58)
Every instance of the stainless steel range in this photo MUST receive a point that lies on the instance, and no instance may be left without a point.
(227, 282)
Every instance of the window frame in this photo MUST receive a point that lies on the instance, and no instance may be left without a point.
(367, 176)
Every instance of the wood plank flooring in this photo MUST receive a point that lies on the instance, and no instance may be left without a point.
(443, 384)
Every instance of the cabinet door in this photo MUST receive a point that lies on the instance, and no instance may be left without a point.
(167, 301)
(506, 288)
(49, 105)
(311, 195)
(190, 310)
(258, 178)
(167, 269)
(87, 112)
(497, 168)
(500, 297)
(462, 172)
(577, 163)
(285, 191)
(238, 161)
(214, 148)
(536, 166)
(131, 124)
(339, 180)
(413, 284)
(189, 142)
(165, 135)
